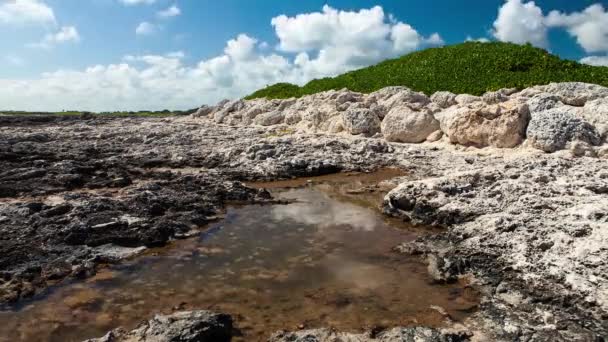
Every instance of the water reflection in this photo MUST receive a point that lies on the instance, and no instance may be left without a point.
(320, 210)
(317, 262)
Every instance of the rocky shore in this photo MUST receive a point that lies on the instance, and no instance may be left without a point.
(518, 179)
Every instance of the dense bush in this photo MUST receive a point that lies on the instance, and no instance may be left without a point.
(471, 67)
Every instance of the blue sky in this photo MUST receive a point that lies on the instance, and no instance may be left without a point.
(90, 54)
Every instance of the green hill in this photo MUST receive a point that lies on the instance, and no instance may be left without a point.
(471, 67)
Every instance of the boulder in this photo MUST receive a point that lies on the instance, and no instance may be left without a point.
(230, 107)
(402, 124)
(403, 96)
(361, 121)
(596, 113)
(571, 93)
(188, 326)
(498, 125)
(551, 130)
(542, 101)
(271, 118)
(444, 99)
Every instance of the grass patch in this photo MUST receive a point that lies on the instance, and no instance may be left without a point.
(471, 68)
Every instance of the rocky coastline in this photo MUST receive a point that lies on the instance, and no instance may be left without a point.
(517, 179)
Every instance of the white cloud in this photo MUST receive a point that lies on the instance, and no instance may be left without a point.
(137, 2)
(172, 11)
(521, 23)
(590, 27)
(334, 41)
(64, 35)
(145, 29)
(480, 40)
(595, 60)
(21, 12)
(310, 45)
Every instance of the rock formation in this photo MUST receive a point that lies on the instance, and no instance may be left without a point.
(550, 118)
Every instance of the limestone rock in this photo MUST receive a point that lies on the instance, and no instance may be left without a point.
(570, 93)
(596, 113)
(203, 111)
(361, 121)
(187, 326)
(268, 119)
(400, 96)
(444, 99)
(464, 99)
(493, 97)
(414, 334)
(551, 130)
(499, 125)
(402, 124)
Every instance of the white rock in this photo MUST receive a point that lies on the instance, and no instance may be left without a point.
(402, 124)
(444, 99)
(480, 125)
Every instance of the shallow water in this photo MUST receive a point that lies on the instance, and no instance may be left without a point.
(322, 260)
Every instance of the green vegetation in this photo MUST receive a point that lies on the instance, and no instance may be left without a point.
(471, 67)
(143, 113)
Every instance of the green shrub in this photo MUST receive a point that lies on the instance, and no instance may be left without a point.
(471, 68)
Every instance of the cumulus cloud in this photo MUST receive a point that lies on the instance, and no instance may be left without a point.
(480, 40)
(520, 23)
(145, 29)
(64, 35)
(137, 2)
(595, 60)
(172, 11)
(309, 46)
(334, 41)
(589, 27)
(21, 12)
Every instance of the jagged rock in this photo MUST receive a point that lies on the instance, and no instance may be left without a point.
(360, 121)
(570, 93)
(203, 111)
(542, 101)
(494, 97)
(415, 334)
(222, 112)
(187, 326)
(402, 124)
(499, 125)
(596, 113)
(392, 97)
(268, 119)
(444, 99)
(551, 130)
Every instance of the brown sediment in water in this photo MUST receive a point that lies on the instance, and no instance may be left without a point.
(323, 260)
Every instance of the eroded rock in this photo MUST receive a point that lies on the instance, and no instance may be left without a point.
(187, 326)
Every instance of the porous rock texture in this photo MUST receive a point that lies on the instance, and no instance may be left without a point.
(550, 118)
(416, 334)
(186, 326)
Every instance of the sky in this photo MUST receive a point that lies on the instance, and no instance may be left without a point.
(106, 55)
